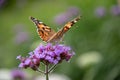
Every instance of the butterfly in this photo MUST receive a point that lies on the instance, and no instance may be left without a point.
(49, 35)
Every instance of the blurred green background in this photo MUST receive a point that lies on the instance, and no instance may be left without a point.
(95, 38)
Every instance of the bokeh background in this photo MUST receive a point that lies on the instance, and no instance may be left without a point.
(95, 38)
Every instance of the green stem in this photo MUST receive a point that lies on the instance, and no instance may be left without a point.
(46, 72)
(38, 70)
(52, 68)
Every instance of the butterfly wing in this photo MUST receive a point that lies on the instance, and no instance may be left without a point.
(44, 31)
(57, 36)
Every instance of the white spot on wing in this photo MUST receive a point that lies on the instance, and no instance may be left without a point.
(40, 22)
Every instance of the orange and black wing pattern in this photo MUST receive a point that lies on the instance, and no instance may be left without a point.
(49, 35)
(57, 36)
(44, 31)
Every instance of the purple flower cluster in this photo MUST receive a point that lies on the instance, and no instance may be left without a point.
(63, 17)
(115, 10)
(18, 74)
(47, 54)
(100, 12)
(21, 35)
(2, 2)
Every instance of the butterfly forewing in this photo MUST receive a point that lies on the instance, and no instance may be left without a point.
(57, 36)
(44, 31)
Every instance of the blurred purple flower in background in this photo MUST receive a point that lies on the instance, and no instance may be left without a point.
(47, 54)
(18, 74)
(73, 11)
(100, 12)
(115, 10)
(2, 3)
(21, 35)
(62, 18)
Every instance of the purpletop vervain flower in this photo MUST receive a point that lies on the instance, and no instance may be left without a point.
(18, 74)
(50, 55)
(115, 10)
(2, 2)
(63, 17)
(21, 35)
(73, 11)
(100, 12)
(47, 54)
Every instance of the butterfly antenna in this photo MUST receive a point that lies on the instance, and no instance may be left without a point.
(77, 19)
(34, 20)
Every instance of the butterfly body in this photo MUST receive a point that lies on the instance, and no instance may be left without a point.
(49, 35)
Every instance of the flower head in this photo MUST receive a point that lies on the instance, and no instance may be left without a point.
(63, 17)
(18, 74)
(100, 12)
(73, 11)
(21, 35)
(115, 10)
(2, 2)
(47, 54)
(52, 54)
